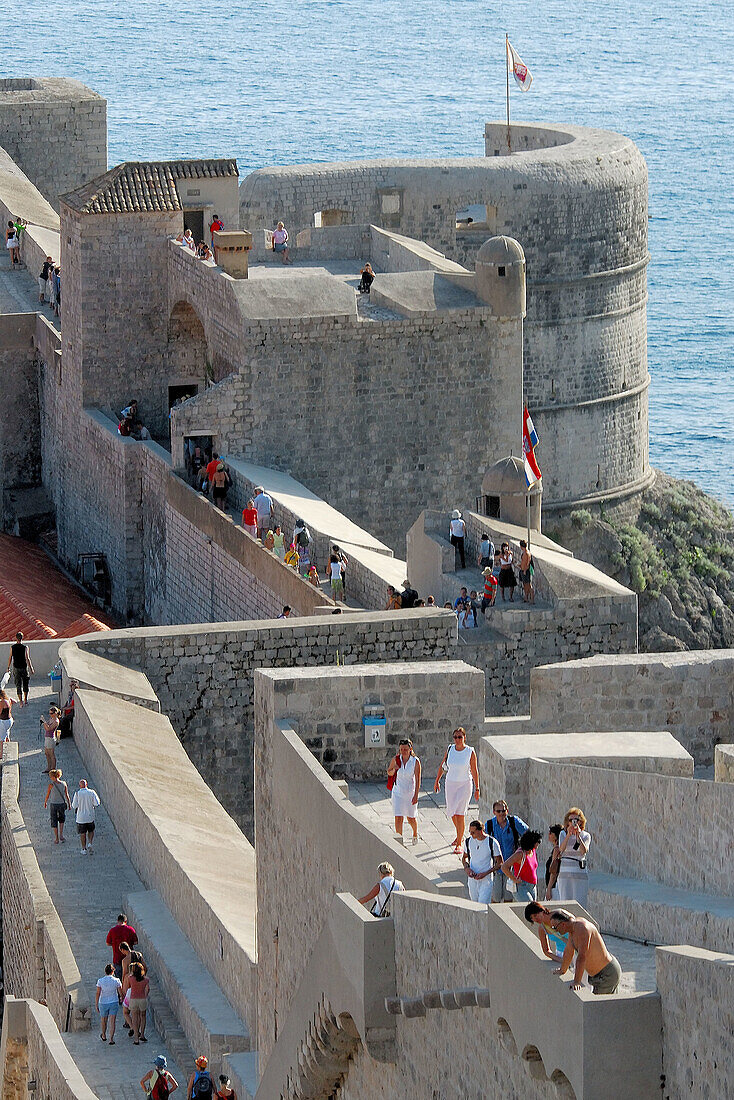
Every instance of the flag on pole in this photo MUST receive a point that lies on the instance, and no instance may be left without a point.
(520, 71)
(529, 443)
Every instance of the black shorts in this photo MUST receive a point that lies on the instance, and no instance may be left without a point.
(58, 814)
(85, 827)
(20, 675)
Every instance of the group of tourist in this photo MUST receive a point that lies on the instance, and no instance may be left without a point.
(202, 250)
(159, 1082)
(500, 858)
(49, 285)
(407, 599)
(497, 566)
(130, 423)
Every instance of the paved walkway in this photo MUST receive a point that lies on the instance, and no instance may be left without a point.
(434, 852)
(19, 290)
(87, 892)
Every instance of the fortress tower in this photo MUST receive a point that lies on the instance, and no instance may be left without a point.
(576, 200)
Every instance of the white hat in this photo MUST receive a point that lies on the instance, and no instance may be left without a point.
(456, 514)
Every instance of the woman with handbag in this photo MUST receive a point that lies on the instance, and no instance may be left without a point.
(462, 775)
(573, 847)
(404, 780)
(383, 890)
(521, 869)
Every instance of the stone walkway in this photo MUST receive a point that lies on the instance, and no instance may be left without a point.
(87, 892)
(19, 290)
(434, 852)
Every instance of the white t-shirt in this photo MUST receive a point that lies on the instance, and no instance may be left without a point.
(458, 528)
(85, 801)
(109, 987)
(386, 892)
(335, 568)
(571, 859)
(482, 853)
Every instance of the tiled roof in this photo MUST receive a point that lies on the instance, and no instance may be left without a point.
(143, 186)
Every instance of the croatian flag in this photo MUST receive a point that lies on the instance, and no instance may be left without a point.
(520, 71)
(529, 443)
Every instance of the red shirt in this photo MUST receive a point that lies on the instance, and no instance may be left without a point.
(249, 517)
(120, 933)
(212, 468)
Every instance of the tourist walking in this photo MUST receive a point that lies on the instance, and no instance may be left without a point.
(128, 958)
(405, 772)
(279, 542)
(22, 665)
(50, 728)
(280, 243)
(462, 775)
(482, 856)
(486, 553)
(220, 485)
(216, 225)
(335, 574)
(249, 518)
(137, 982)
(159, 1082)
(43, 278)
(382, 891)
(408, 596)
(263, 506)
(201, 1086)
(345, 562)
(507, 573)
(552, 864)
(521, 868)
(457, 533)
(107, 1002)
(507, 829)
(573, 849)
(85, 802)
(57, 800)
(526, 573)
(225, 1090)
(12, 244)
(6, 717)
(490, 588)
(122, 932)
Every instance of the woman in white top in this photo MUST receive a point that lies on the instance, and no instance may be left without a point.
(383, 890)
(406, 768)
(462, 774)
(573, 846)
(457, 532)
(507, 573)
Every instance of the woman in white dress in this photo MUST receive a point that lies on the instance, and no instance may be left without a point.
(462, 775)
(573, 847)
(406, 769)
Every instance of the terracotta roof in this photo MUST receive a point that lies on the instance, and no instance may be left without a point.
(37, 599)
(143, 186)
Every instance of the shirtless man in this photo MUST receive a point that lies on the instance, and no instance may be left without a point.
(585, 938)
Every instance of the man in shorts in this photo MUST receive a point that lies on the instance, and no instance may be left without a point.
(584, 938)
(20, 659)
(85, 802)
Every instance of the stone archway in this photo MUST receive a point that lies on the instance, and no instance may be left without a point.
(187, 351)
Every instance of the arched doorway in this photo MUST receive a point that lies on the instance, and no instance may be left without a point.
(187, 355)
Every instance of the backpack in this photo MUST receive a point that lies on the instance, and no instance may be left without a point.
(303, 538)
(160, 1089)
(203, 1088)
(489, 828)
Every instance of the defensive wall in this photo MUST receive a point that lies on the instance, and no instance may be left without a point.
(33, 1056)
(576, 199)
(55, 130)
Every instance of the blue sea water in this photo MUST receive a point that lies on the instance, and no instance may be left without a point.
(281, 82)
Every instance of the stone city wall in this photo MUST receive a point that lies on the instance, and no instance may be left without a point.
(20, 199)
(311, 844)
(325, 708)
(178, 836)
(697, 992)
(56, 131)
(691, 694)
(366, 387)
(37, 959)
(32, 1050)
(20, 448)
(203, 676)
(724, 764)
(645, 826)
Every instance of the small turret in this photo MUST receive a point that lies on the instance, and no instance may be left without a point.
(500, 276)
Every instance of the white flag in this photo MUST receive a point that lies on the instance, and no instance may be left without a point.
(520, 71)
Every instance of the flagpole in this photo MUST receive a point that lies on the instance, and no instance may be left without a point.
(507, 73)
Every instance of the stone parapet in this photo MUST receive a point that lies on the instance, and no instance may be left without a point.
(33, 1050)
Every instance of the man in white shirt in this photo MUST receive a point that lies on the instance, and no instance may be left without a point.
(264, 506)
(85, 802)
(482, 855)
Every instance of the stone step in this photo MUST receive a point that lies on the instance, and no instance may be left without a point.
(208, 1021)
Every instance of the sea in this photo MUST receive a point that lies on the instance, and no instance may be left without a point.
(276, 82)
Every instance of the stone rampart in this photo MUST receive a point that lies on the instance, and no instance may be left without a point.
(56, 131)
(697, 991)
(20, 449)
(651, 827)
(724, 764)
(37, 959)
(690, 694)
(179, 838)
(32, 1050)
(203, 676)
(20, 199)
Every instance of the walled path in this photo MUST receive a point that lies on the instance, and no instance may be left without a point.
(87, 892)
(434, 852)
(19, 289)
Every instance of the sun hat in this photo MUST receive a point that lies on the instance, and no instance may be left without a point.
(456, 514)
(486, 571)
(202, 1061)
(160, 1062)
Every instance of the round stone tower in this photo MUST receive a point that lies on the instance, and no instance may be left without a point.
(500, 281)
